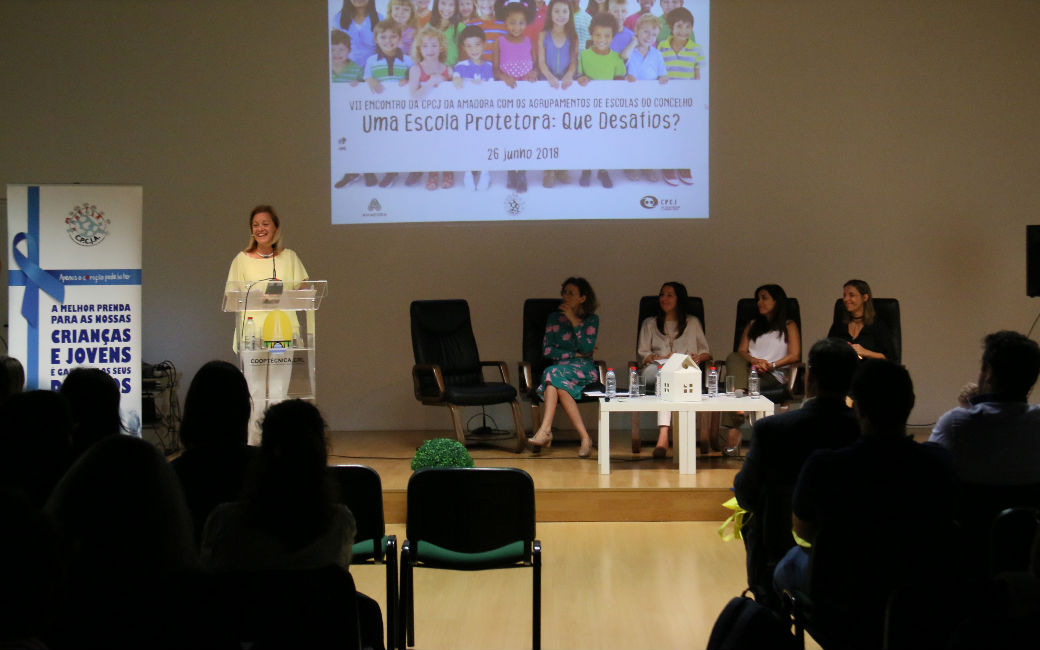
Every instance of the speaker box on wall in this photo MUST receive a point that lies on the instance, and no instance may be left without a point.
(1033, 261)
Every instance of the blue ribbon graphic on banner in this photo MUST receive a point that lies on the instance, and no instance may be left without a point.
(36, 279)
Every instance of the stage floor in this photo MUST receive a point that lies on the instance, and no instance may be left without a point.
(568, 488)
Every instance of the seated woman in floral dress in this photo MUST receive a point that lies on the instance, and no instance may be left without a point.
(570, 337)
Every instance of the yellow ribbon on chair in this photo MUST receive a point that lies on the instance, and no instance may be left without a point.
(730, 529)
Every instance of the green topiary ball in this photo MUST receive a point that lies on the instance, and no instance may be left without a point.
(441, 452)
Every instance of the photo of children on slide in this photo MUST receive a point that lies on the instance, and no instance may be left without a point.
(438, 59)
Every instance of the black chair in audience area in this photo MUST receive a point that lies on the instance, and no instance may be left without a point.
(1011, 539)
(362, 492)
(468, 520)
(978, 506)
(706, 421)
(887, 309)
(794, 389)
(533, 364)
(448, 370)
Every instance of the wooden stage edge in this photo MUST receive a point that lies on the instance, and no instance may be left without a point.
(568, 489)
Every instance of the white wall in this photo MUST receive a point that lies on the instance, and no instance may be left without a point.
(886, 140)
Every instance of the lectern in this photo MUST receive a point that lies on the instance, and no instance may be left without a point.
(282, 369)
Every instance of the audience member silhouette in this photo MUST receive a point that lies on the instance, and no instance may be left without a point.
(996, 439)
(125, 536)
(12, 377)
(779, 447)
(35, 444)
(94, 397)
(29, 577)
(288, 516)
(214, 433)
(858, 504)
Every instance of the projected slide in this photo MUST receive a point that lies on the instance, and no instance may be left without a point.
(516, 121)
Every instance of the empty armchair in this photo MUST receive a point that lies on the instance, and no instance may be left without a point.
(448, 370)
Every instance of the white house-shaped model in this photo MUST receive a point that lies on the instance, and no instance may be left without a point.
(681, 379)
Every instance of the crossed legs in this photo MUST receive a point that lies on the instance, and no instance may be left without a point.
(551, 398)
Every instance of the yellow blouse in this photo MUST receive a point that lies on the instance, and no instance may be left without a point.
(285, 266)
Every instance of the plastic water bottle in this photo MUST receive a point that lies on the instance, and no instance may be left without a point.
(713, 382)
(249, 335)
(633, 382)
(659, 384)
(752, 383)
(611, 384)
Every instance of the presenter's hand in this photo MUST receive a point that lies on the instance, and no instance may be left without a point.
(701, 358)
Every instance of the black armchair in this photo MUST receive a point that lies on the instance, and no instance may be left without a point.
(448, 370)
(469, 520)
(536, 311)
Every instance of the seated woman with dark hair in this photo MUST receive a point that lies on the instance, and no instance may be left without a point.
(215, 433)
(770, 341)
(866, 333)
(288, 516)
(668, 332)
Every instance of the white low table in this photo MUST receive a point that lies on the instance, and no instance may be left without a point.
(685, 441)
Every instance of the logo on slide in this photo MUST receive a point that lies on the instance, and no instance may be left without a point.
(375, 209)
(648, 202)
(514, 205)
(87, 226)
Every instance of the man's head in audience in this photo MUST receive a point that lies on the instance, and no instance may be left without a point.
(832, 362)
(1010, 365)
(884, 397)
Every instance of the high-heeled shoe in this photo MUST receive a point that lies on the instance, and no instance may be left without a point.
(586, 448)
(541, 439)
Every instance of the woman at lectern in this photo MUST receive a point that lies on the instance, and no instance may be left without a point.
(669, 331)
(570, 338)
(265, 259)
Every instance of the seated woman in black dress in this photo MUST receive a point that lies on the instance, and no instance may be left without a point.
(866, 333)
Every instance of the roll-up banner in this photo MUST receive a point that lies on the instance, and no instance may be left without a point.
(74, 277)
